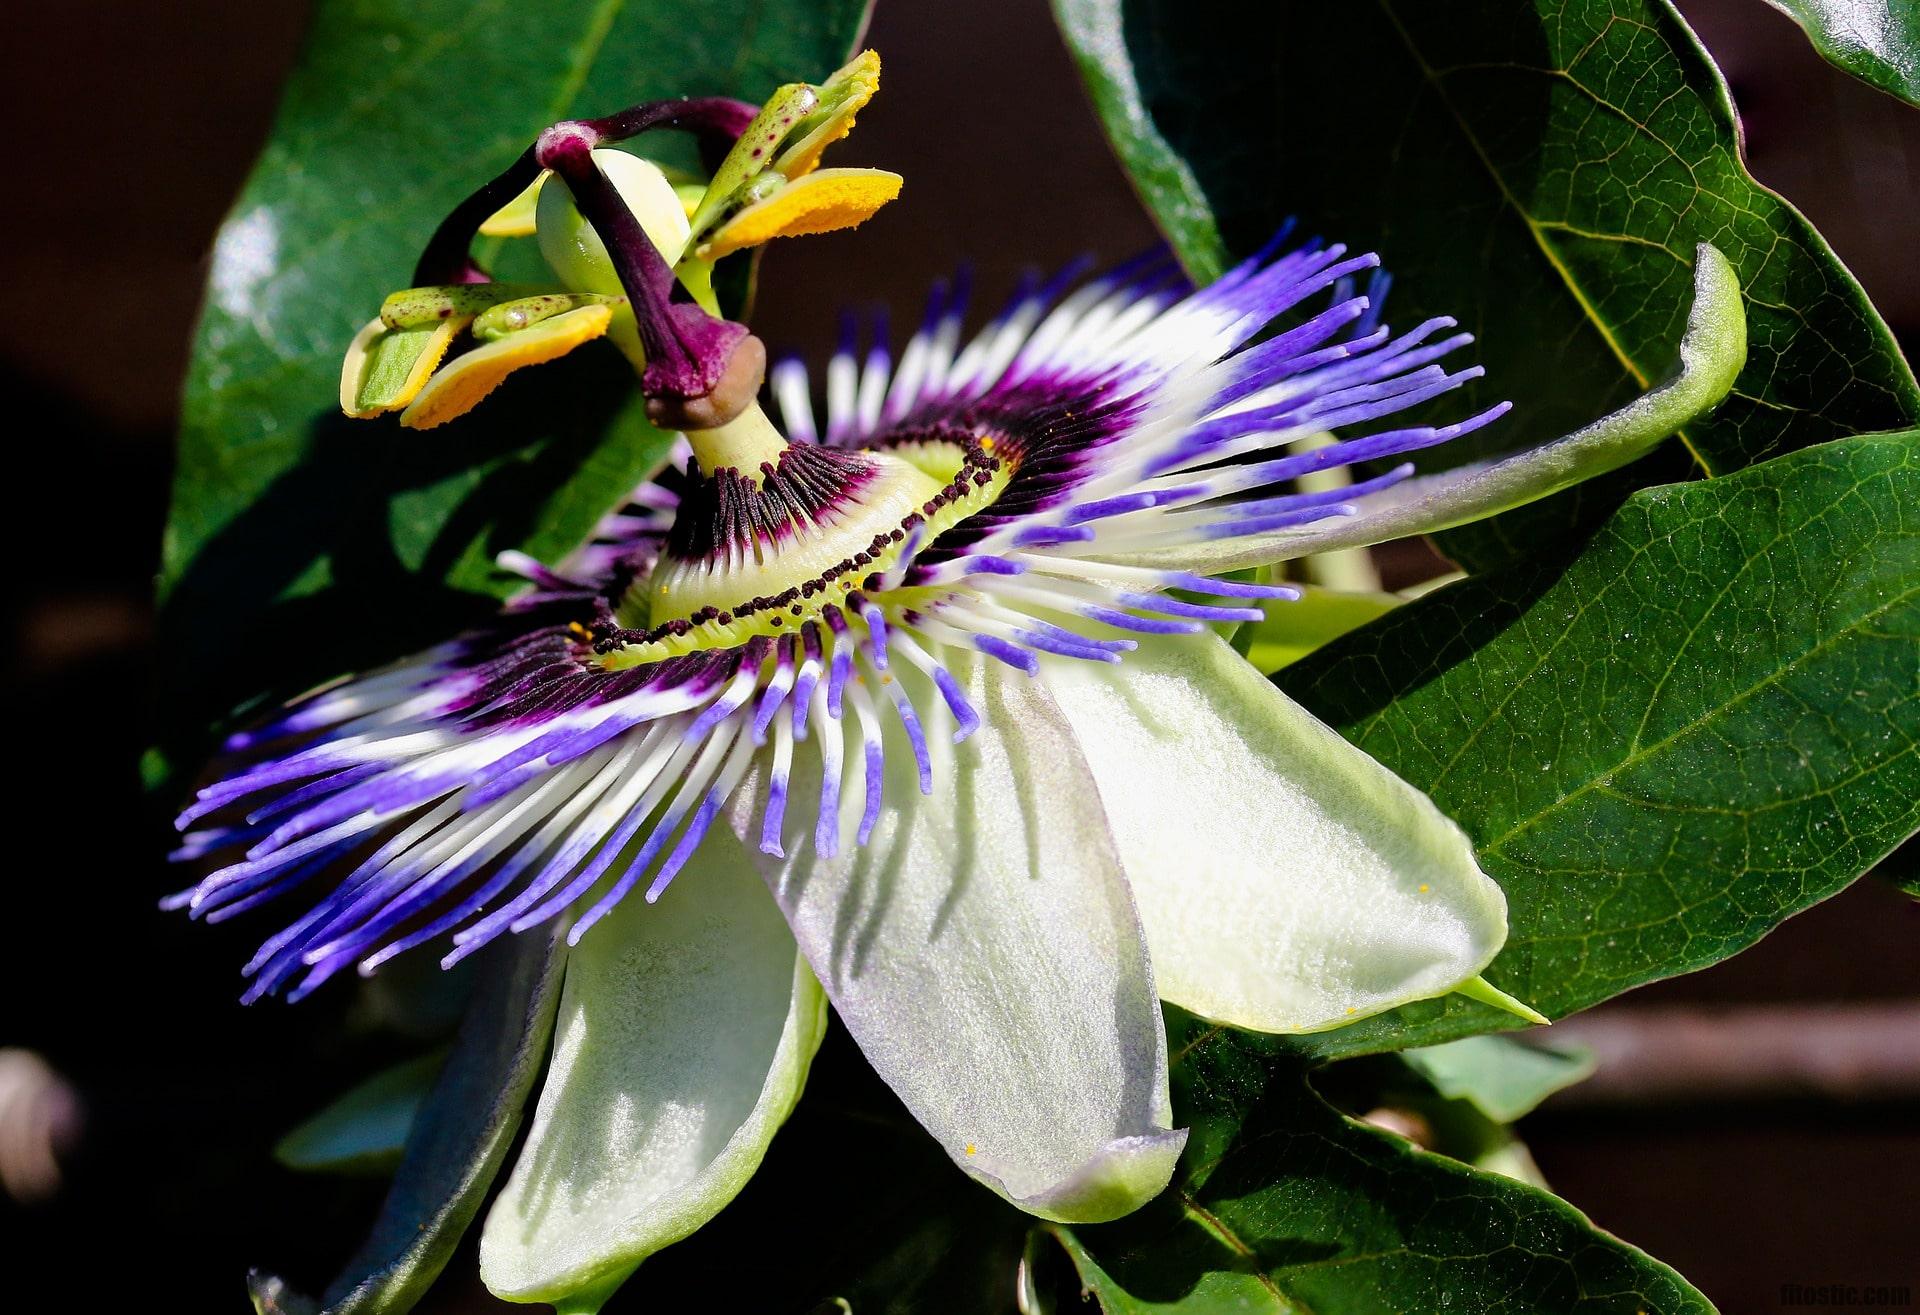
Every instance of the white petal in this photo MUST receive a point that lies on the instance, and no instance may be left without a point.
(1712, 352)
(685, 1032)
(984, 952)
(1287, 881)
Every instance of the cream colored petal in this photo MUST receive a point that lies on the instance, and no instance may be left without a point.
(984, 952)
(685, 1031)
(1287, 881)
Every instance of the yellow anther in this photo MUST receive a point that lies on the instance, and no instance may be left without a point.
(854, 85)
(819, 203)
(385, 369)
(1424, 888)
(971, 1148)
(457, 389)
(515, 218)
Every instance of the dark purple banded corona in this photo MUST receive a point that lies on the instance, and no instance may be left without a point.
(583, 745)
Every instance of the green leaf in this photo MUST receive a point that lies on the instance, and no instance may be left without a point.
(1905, 879)
(1706, 722)
(1878, 41)
(1500, 1077)
(1284, 1206)
(365, 1130)
(300, 544)
(1296, 628)
(1542, 171)
(462, 1132)
(1390, 1092)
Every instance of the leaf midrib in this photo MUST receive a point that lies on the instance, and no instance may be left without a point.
(1249, 1261)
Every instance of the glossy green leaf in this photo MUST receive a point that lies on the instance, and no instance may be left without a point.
(1906, 879)
(1542, 171)
(1296, 628)
(364, 1130)
(1878, 41)
(1283, 1206)
(462, 1133)
(1707, 721)
(1501, 1077)
(300, 544)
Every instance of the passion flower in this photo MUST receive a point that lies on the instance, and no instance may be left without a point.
(918, 707)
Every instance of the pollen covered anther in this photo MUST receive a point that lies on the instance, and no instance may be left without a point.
(824, 201)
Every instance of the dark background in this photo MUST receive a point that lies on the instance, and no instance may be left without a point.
(129, 129)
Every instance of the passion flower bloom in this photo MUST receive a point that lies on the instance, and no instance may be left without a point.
(918, 707)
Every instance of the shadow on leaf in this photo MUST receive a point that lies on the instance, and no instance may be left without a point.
(380, 541)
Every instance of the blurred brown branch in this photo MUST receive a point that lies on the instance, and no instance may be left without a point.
(1690, 1054)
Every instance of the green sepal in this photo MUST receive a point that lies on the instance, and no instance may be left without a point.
(463, 1131)
(1296, 627)
(1480, 989)
(364, 1130)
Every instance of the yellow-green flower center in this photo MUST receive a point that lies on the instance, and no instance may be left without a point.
(763, 553)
